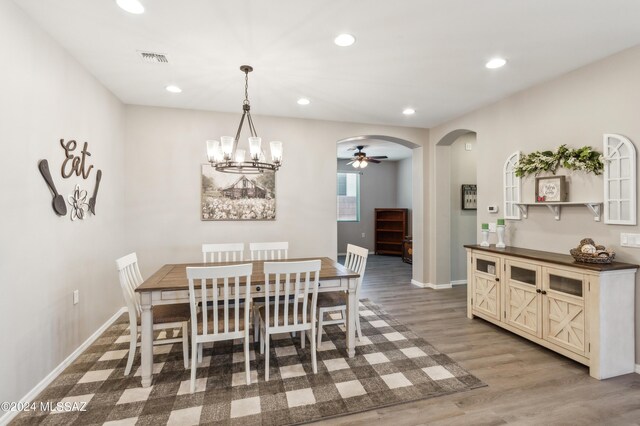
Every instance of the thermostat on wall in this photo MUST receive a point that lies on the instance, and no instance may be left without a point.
(492, 209)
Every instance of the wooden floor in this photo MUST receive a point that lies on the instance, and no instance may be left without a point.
(527, 384)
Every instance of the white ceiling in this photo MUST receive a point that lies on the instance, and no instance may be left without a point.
(427, 54)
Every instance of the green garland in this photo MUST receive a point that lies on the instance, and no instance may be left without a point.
(583, 159)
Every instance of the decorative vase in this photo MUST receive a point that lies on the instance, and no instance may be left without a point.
(485, 235)
(500, 232)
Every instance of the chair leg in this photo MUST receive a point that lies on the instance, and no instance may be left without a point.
(314, 361)
(266, 357)
(247, 365)
(185, 344)
(358, 330)
(133, 344)
(302, 339)
(194, 350)
(320, 325)
(262, 341)
(256, 324)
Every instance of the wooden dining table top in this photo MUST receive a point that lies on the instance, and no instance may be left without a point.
(174, 276)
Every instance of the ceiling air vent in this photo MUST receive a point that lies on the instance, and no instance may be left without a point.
(154, 58)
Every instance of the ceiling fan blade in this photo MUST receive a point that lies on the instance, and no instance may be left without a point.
(379, 157)
(373, 160)
(351, 162)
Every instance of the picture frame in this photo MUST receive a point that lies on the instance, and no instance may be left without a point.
(551, 189)
(243, 197)
(469, 197)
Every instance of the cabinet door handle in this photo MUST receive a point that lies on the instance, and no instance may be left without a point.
(497, 279)
(538, 290)
(543, 292)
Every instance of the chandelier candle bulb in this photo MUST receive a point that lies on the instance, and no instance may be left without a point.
(227, 146)
(276, 151)
(254, 147)
(240, 155)
(212, 148)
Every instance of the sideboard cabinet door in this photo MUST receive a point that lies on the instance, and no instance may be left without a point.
(523, 304)
(564, 319)
(486, 285)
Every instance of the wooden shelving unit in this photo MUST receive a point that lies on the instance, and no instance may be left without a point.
(390, 230)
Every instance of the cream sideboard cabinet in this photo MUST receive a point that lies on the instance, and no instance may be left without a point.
(582, 311)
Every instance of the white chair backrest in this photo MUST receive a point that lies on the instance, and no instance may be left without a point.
(356, 260)
(233, 252)
(219, 283)
(130, 279)
(269, 251)
(299, 280)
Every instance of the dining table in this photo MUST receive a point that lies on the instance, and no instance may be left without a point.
(170, 285)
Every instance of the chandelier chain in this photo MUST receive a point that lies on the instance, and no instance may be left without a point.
(246, 88)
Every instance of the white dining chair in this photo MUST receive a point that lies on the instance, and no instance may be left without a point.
(165, 317)
(231, 319)
(337, 301)
(269, 251)
(295, 286)
(266, 251)
(232, 252)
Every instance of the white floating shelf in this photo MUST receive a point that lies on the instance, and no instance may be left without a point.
(594, 206)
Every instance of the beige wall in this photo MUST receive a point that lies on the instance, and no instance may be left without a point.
(463, 222)
(575, 109)
(164, 150)
(47, 96)
(404, 187)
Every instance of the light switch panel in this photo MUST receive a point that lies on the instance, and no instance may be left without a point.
(630, 240)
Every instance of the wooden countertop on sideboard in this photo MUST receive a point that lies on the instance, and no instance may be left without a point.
(556, 258)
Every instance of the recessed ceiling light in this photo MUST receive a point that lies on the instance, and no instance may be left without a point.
(495, 63)
(303, 101)
(344, 40)
(131, 6)
(408, 111)
(173, 89)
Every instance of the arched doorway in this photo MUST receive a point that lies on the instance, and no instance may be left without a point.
(445, 190)
(415, 162)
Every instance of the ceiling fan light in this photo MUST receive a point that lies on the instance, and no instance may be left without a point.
(356, 164)
(363, 164)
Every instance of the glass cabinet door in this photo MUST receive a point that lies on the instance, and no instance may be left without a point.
(564, 319)
(486, 285)
(523, 306)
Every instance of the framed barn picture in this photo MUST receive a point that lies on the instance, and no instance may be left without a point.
(226, 196)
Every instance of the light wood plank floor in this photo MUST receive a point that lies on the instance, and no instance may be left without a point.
(528, 384)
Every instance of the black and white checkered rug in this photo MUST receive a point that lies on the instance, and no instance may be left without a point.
(392, 365)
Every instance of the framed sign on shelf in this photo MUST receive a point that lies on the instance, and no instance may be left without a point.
(469, 197)
(551, 189)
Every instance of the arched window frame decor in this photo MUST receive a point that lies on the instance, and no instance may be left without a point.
(619, 180)
(511, 187)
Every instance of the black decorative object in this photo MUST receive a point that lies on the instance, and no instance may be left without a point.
(92, 200)
(469, 197)
(58, 203)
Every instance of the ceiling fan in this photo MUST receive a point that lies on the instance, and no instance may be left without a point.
(360, 159)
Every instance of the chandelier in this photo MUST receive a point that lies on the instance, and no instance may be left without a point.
(224, 154)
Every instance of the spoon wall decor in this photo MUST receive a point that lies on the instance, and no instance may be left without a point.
(59, 206)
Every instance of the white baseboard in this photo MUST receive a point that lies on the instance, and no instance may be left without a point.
(429, 285)
(459, 282)
(9, 415)
(638, 368)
